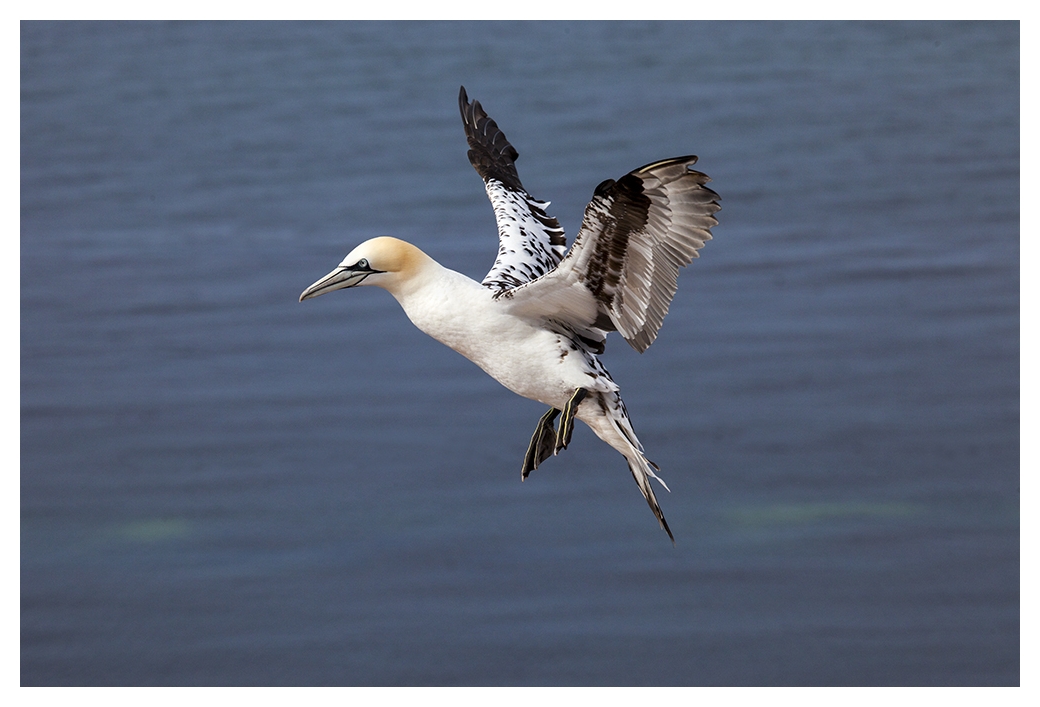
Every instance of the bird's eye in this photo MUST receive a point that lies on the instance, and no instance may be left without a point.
(363, 264)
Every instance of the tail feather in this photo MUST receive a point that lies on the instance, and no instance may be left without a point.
(610, 421)
(659, 479)
(641, 470)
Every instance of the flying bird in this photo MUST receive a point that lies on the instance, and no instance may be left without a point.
(539, 319)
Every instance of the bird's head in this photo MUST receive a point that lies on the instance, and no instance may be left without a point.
(385, 262)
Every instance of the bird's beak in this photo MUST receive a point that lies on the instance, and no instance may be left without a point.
(338, 279)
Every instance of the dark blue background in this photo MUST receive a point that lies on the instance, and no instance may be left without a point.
(220, 485)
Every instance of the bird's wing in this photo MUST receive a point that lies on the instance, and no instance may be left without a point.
(530, 242)
(622, 270)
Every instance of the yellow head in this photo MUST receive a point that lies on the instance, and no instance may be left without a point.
(385, 262)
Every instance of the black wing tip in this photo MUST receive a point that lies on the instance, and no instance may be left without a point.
(491, 153)
(469, 110)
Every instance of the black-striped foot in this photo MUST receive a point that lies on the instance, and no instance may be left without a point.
(563, 435)
(543, 443)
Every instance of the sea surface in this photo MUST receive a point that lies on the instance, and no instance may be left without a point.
(223, 486)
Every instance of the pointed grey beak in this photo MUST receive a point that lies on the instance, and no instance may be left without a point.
(338, 279)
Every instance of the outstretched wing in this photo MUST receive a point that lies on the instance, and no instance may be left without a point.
(623, 269)
(530, 242)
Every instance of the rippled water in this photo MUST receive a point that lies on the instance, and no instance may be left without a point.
(220, 485)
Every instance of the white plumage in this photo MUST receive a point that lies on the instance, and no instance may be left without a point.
(540, 317)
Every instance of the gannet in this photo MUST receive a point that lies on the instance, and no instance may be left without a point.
(538, 320)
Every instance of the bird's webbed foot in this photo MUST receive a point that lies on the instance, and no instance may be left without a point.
(543, 443)
(563, 435)
(547, 440)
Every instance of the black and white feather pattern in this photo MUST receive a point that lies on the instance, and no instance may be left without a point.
(623, 268)
(622, 271)
(636, 234)
(530, 242)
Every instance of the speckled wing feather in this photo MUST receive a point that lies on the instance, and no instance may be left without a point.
(530, 242)
(624, 266)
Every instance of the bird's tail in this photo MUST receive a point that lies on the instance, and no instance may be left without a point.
(642, 468)
(642, 471)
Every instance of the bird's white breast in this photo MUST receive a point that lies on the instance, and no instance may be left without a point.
(523, 355)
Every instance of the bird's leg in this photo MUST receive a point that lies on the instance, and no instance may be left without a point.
(563, 435)
(542, 443)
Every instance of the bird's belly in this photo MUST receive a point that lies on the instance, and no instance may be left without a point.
(542, 366)
(526, 358)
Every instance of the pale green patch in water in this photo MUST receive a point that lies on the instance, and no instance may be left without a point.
(155, 530)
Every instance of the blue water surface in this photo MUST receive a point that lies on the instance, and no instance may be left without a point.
(223, 486)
